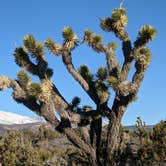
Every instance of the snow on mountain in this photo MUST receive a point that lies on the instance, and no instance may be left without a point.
(13, 118)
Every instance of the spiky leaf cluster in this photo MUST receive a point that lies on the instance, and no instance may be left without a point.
(68, 33)
(46, 92)
(117, 21)
(124, 88)
(145, 35)
(113, 82)
(117, 13)
(87, 34)
(35, 48)
(55, 48)
(102, 90)
(97, 38)
(91, 37)
(70, 38)
(100, 86)
(119, 18)
(106, 24)
(21, 56)
(93, 40)
(49, 43)
(113, 45)
(143, 58)
(102, 73)
(4, 82)
(85, 73)
(75, 102)
(114, 76)
(23, 78)
(34, 89)
(104, 96)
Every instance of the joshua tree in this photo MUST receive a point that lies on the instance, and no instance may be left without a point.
(44, 98)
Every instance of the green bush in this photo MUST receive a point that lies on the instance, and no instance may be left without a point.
(153, 147)
(16, 150)
(46, 133)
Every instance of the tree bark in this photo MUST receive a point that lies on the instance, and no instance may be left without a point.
(78, 142)
(113, 131)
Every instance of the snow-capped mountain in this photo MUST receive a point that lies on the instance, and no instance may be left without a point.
(13, 118)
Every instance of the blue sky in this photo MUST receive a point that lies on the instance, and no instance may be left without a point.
(46, 18)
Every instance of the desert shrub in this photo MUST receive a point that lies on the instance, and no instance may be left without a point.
(30, 133)
(153, 147)
(17, 150)
(140, 130)
(46, 133)
(158, 137)
(142, 146)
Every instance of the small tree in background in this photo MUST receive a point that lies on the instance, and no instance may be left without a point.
(152, 148)
(44, 97)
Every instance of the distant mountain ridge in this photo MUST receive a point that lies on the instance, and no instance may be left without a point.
(10, 118)
(132, 128)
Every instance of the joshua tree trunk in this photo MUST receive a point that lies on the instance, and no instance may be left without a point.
(112, 141)
(113, 133)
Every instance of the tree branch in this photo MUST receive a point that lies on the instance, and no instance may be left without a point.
(138, 78)
(22, 59)
(112, 62)
(67, 60)
(6, 82)
(20, 96)
(127, 52)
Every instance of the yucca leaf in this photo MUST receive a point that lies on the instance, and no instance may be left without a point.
(23, 78)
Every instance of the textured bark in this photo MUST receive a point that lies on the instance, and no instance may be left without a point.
(127, 53)
(67, 59)
(30, 67)
(125, 69)
(138, 77)
(42, 67)
(85, 134)
(112, 138)
(110, 59)
(119, 107)
(111, 62)
(127, 48)
(77, 141)
(113, 130)
(77, 77)
(48, 113)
